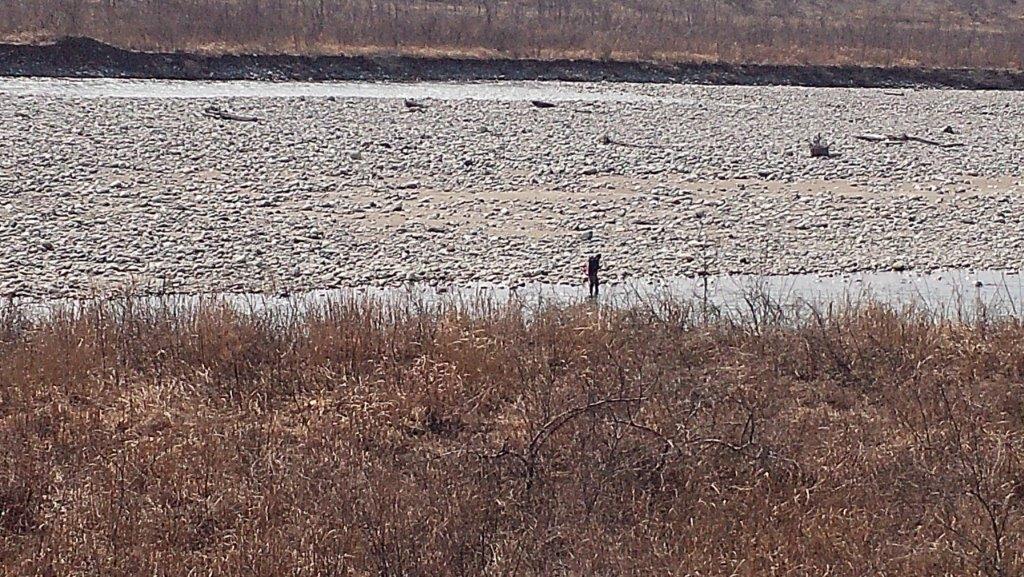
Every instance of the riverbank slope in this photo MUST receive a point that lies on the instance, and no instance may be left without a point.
(86, 58)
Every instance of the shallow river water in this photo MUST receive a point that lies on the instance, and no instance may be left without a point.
(495, 91)
(947, 294)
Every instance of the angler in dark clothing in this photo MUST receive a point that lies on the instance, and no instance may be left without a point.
(593, 268)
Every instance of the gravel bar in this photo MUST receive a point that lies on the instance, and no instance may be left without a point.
(104, 194)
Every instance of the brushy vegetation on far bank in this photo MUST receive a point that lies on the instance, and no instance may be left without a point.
(356, 438)
(929, 33)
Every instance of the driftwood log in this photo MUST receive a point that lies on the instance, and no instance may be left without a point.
(221, 114)
(414, 105)
(902, 138)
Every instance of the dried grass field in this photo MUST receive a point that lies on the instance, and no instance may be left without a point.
(364, 438)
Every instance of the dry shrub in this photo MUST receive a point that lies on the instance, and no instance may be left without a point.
(360, 437)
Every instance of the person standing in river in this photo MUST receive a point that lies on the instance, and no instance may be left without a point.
(593, 268)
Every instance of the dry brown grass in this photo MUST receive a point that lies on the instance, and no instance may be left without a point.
(940, 33)
(362, 439)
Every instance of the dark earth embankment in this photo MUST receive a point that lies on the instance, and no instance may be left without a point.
(86, 58)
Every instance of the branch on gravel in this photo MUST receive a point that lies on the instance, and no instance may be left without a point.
(221, 114)
(902, 138)
(608, 139)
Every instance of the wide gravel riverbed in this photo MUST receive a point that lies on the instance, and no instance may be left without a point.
(130, 185)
